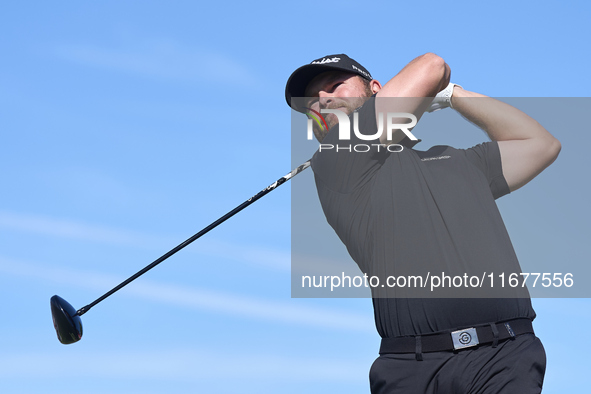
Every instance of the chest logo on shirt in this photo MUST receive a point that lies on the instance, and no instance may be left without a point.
(435, 158)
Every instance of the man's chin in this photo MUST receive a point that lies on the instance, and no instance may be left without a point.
(320, 135)
(331, 120)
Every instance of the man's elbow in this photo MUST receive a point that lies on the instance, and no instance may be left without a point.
(433, 60)
(547, 150)
(554, 147)
(436, 69)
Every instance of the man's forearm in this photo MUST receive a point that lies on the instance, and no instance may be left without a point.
(422, 78)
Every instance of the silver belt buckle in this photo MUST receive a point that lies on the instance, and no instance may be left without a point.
(464, 338)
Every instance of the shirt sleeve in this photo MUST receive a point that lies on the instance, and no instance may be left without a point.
(344, 165)
(487, 158)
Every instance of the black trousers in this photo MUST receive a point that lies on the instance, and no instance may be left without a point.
(515, 366)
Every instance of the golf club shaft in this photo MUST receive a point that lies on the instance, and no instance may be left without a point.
(213, 225)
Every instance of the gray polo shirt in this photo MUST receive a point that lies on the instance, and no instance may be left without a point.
(412, 211)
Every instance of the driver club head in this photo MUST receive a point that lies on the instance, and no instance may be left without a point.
(67, 323)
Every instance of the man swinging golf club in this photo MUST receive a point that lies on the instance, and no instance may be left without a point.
(409, 208)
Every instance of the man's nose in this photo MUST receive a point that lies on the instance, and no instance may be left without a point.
(324, 99)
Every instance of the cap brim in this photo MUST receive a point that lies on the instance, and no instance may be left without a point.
(300, 78)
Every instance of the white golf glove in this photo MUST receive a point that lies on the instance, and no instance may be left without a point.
(443, 98)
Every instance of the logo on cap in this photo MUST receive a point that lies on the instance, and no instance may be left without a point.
(365, 73)
(325, 60)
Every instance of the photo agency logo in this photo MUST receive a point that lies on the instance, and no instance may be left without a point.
(393, 123)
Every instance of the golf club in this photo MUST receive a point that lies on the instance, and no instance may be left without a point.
(66, 320)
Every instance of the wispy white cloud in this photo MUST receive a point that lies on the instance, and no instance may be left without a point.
(265, 257)
(250, 307)
(162, 59)
(65, 228)
(184, 365)
(200, 299)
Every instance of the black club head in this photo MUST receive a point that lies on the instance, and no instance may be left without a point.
(67, 323)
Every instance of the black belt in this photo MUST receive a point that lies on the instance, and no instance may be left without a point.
(460, 339)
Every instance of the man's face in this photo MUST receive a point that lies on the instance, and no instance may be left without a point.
(335, 90)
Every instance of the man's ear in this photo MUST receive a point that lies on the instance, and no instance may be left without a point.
(375, 85)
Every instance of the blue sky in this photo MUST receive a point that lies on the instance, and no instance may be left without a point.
(128, 126)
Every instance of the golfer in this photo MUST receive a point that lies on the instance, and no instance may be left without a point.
(404, 207)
